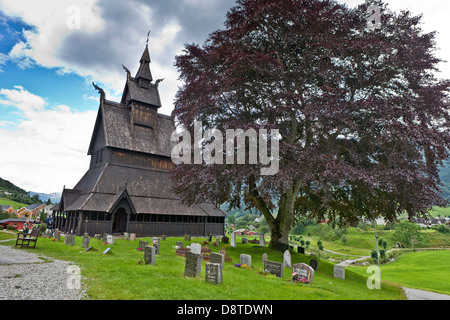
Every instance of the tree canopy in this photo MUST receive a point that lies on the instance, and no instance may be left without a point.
(364, 122)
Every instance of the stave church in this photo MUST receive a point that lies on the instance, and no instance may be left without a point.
(127, 187)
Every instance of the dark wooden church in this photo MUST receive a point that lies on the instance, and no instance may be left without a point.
(127, 187)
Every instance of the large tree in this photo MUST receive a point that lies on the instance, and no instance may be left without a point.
(362, 118)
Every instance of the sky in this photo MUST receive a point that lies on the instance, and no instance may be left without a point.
(52, 50)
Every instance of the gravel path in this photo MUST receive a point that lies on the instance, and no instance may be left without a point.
(24, 276)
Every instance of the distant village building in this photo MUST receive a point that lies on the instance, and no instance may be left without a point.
(32, 211)
(7, 208)
(127, 187)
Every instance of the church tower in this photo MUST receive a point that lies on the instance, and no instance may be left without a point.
(127, 187)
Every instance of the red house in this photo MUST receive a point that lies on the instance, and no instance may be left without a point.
(14, 222)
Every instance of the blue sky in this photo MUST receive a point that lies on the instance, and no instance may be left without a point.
(52, 50)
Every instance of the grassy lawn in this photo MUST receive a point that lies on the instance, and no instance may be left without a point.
(427, 270)
(7, 235)
(117, 275)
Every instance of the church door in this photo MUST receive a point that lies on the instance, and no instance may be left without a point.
(120, 221)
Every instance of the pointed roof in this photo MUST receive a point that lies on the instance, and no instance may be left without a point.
(144, 69)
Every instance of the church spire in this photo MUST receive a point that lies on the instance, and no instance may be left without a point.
(144, 68)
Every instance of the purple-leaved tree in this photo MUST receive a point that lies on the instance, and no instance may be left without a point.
(364, 122)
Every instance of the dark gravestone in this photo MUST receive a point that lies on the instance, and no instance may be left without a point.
(225, 239)
(58, 235)
(149, 255)
(301, 250)
(244, 240)
(274, 268)
(282, 247)
(213, 273)
(180, 244)
(142, 244)
(314, 264)
(303, 271)
(193, 264)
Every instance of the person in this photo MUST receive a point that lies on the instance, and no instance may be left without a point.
(49, 222)
(26, 227)
(37, 222)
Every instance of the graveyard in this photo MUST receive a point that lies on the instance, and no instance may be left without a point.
(121, 271)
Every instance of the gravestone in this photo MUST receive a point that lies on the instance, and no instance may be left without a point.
(246, 259)
(233, 240)
(106, 251)
(132, 236)
(244, 240)
(88, 249)
(180, 244)
(303, 271)
(339, 271)
(58, 235)
(126, 236)
(105, 237)
(196, 248)
(225, 239)
(314, 264)
(155, 242)
(69, 240)
(287, 259)
(110, 239)
(282, 247)
(187, 237)
(97, 236)
(264, 257)
(163, 237)
(209, 237)
(85, 243)
(217, 242)
(193, 264)
(301, 250)
(150, 255)
(213, 273)
(217, 258)
(275, 268)
(261, 240)
(142, 244)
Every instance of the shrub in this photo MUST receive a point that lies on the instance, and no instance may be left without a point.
(374, 254)
(442, 229)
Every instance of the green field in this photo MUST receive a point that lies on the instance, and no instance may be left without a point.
(426, 270)
(16, 205)
(443, 212)
(117, 275)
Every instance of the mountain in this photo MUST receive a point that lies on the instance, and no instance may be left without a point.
(54, 197)
(445, 179)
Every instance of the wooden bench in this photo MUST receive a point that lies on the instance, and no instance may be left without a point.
(28, 240)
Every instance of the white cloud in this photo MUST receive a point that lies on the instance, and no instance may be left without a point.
(48, 147)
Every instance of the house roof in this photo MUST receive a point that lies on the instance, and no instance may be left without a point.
(5, 207)
(35, 206)
(148, 190)
(13, 220)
